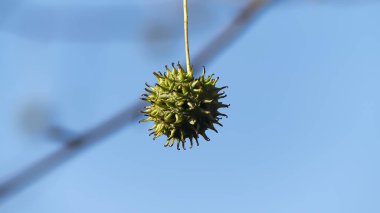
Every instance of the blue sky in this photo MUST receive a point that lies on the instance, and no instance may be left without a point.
(302, 133)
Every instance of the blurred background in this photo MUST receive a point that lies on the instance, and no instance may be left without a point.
(303, 133)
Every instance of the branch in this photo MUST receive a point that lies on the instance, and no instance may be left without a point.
(230, 33)
(129, 116)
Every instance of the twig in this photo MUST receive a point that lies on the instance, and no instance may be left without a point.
(230, 33)
(69, 150)
(79, 143)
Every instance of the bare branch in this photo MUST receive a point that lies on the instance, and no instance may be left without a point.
(129, 116)
(230, 33)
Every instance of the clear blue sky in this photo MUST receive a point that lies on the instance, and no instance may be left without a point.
(303, 133)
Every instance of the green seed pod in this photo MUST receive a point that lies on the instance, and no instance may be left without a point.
(182, 106)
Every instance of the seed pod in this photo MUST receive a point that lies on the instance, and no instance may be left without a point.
(183, 107)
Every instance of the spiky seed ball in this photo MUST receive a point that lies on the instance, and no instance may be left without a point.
(182, 106)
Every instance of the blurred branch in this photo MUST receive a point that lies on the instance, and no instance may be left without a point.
(79, 143)
(69, 150)
(230, 33)
(60, 134)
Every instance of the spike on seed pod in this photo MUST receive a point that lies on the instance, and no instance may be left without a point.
(183, 107)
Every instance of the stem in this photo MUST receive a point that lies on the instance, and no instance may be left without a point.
(186, 23)
(128, 116)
